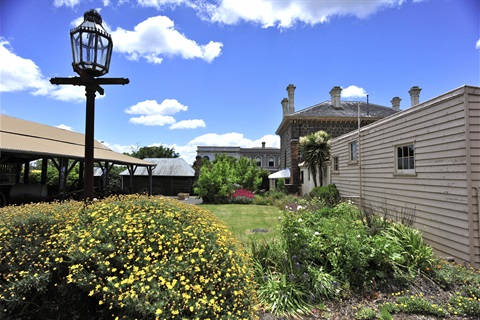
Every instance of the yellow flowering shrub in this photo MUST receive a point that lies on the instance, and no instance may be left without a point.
(129, 257)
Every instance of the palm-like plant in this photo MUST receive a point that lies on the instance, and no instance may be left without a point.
(315, 150)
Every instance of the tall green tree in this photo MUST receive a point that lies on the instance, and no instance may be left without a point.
(216, 181)
(154, 152)
(247, 174)
(315, 151)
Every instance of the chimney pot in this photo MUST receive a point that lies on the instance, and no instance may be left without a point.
(263, 145)
(285, 106)
(396, 103)
(335, 94)
(414, 95)
(291, 105)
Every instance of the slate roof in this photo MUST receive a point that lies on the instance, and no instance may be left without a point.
(167, 167)
(347, 110)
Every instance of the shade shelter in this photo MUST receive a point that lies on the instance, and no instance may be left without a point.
(23, 141)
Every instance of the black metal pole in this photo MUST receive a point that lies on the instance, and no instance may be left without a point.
(89, 141)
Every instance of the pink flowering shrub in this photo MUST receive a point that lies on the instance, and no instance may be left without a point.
(242, 196)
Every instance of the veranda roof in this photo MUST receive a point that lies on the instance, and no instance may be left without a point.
(285, 174)
(26, 139)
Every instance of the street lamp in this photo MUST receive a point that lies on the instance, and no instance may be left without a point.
(92, 50)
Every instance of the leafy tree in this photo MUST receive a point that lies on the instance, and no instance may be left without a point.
(247, 175)
(154, 152)
(315, 150)
(216, 181)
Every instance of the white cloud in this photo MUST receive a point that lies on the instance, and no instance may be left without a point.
(69, 93)
(477, 46)
(156, 38)
(286, 13)
(21, 74)
(159, 4)
(353, 92)
(151, 107)
(153, 120)
(66, 3)
(65, 127)
(160, 114)
(189, 124)
(120, 148)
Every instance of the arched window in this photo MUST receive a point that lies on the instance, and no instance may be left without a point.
(271, 161)
(258, 160)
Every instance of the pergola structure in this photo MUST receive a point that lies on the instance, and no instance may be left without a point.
(22, 142)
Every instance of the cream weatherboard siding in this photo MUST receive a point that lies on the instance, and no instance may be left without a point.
(443, 190)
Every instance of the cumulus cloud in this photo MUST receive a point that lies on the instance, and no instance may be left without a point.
(156, 38)
(285, 14)
(477, 46)
(21, 74)
(153, 120)
(152, 107)
(160, 114)
(65, 127)
(189, 124)
(66, 3)
(353, 92)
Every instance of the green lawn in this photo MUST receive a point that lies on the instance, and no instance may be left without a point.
(244, 220)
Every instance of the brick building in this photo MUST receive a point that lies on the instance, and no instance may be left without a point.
(333, 116)
(268, 158)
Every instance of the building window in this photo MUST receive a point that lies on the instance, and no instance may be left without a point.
(301, 177)
(258, 160)
(271, 162)
(352, 151)
(405, 156)
(335, 164)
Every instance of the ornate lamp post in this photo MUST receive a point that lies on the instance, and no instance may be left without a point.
(91, 49)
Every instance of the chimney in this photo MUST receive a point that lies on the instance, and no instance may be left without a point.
(415, 95)
(263, 145)
(335, 94)
(285, 107)
(396, 103)
(291, 105)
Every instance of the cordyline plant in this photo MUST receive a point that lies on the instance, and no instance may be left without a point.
(315, 151)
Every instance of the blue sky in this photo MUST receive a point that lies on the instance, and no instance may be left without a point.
(213, 72)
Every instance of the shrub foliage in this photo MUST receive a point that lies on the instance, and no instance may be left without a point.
(129, 257)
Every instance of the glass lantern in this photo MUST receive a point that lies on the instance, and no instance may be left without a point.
(91, 46)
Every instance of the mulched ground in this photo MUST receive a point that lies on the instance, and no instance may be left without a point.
(345, 310)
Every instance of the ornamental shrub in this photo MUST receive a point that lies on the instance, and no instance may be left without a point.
(328, 194)
(242, 196)
(122, 257)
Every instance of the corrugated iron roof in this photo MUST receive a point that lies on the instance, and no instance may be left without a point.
(22, 137)
(171, 167)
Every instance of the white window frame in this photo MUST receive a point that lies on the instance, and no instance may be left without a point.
(353, 156)
(335, 164)
(272, 161)
(408, 164)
